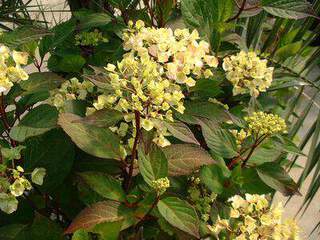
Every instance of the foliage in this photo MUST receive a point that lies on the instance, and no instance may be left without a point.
(148, 130)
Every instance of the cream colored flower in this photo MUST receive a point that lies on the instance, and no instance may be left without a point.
(152, 73)
(248, 73)
(10, 72)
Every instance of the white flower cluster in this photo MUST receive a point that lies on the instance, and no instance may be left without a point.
(252, 218)
(148, 79)
(72, 89)
(10, 67)
(247, 72)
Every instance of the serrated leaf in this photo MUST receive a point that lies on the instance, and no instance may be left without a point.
(89, 20)
(38, 121)
(286, 145)
(23, 35)
(213, 178)
(106, 211)
(293, 9)
(60, 33)
(67, 63)
(181, 131)
(219, 140)
(184, 159)
(250, 182)
(41, 81)
(277, 178)
(180, 214)
(195, 110)
(80, 235)
(54, 152)
(152, 165)
(209, 16)
(103, 118)
(99, 142)
(108, 230)
(104, 185)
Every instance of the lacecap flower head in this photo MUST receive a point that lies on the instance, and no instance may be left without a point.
(150, 76)
(253, 218)
(248, 73)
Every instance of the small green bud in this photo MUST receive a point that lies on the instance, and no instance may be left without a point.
(161, 185)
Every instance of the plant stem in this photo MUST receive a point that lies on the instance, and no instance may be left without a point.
(134, 149)
(154, 204)
(255, 145)
(241, 9)
(149, 8)
(257, 142)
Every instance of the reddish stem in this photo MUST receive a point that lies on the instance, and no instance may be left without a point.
(241, 9)
(134, 149)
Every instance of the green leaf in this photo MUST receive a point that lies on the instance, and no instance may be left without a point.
(292, 9)
(108, 230)
(277, 178)
(286, 145)
(106, 211)
(211, 111)
(89, 20)
(41, 81)
(10, 232)
(212, 176)
(52, 151)
(266, 152)
(180, 214)
(249, 181)
(181, 131)
(41, 228)
(61, 32)
(23, 35)
(152, 165)
(219, 140)
(288, 50)
(103, 118)
(205, 13)
(77, 107)
(38, 121)
(99, 142)
(207, 88)
(80, 235)
(8, 203)
(209, 16)
(104, 185)
(184, 159)
(67, 63)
